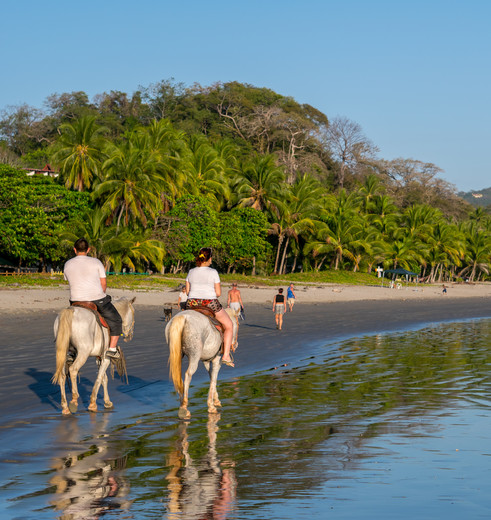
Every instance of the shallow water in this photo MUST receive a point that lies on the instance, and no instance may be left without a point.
(384, 426)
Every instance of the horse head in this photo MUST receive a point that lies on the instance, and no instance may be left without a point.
(127, 312)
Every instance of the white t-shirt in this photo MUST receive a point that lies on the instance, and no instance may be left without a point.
(202, 281)
(183, 296)
(84, 275)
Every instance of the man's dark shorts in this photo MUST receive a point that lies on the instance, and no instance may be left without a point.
(108, 311)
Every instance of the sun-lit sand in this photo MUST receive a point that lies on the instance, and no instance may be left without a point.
(18, 300)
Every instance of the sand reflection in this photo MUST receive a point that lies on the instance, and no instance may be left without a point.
(201, 488)
(87, 480)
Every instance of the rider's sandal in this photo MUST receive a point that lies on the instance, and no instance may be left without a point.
(228, 363)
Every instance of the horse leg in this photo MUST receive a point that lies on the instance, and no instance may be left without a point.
(184, 413)
(73, 406)
(213, 400)
(64, 404)
(100, 378)
(107, 402)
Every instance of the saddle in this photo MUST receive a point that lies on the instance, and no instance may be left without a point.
(206, 311)
(93, 308)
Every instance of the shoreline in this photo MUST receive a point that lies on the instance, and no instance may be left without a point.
(25, 300)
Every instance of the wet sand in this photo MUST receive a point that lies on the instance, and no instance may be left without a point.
(27, 346)
(31, 424)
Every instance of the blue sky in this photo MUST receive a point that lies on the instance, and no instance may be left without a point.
(414, 74)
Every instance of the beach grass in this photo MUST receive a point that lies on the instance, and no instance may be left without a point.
(158, 281)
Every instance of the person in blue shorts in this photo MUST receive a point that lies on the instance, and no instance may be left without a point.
(290, 297)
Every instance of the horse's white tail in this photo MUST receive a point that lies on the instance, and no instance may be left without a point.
(62, 342)
(174, 340)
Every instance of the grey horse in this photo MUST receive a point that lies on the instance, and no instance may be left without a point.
(78, 327)
(191, 334)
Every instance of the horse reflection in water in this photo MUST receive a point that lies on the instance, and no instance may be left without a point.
(87, 481)
(203, 488)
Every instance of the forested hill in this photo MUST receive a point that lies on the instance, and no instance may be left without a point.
(478, 199)
(272, 185)
(301, 138)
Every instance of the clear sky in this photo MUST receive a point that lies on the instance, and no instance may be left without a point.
(415, 74)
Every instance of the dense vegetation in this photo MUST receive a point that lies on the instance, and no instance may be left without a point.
(272, 185)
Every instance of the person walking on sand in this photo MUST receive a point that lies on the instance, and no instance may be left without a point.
(203, 289)
(86, 278)
(234, 300)
(279, 308)
(183, 298)
(290, 297)
(444, 291)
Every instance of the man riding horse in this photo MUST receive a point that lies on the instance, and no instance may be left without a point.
(86, 277)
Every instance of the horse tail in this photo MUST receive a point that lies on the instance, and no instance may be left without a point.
(62, 342)
(173, 334)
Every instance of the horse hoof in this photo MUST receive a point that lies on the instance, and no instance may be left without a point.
(73, 407)
(108, 406)
(184, 413)
(92, 408)
(66, 411)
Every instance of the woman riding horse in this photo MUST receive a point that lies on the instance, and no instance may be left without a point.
(203, 289)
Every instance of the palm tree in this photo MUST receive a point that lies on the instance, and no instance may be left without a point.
(297, 215)
(205, 170)
(340, 233)
(371, 188)
(131, 187)
(79, 152)
(168, 147)
(382, 214)
(477, 252)
(131, 248)
(260, 184)
(137, 250)
(445, 248)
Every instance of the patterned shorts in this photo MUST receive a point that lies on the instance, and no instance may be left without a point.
(214, 305)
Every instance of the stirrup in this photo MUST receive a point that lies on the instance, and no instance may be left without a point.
(113, 354)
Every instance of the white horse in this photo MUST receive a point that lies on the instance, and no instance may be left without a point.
(78, 327)
(192, 334)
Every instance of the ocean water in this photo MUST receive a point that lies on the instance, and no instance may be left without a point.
(396, 425)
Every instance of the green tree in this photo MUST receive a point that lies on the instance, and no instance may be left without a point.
(33, 211)
(243, 241)
(79, 152)
(132, 185)
(190, 225)
(259, 184)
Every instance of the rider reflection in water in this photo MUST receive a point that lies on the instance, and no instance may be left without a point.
(202, 488)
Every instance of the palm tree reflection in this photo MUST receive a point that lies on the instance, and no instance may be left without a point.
(204, 488)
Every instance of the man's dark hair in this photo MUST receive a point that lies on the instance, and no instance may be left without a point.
(81, 245)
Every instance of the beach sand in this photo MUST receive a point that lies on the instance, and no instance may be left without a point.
(323, 315)
(20, 300)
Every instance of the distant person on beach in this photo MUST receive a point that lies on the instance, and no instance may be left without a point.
(234, 300)
(183, 298)
(444, 291)
(86, 277)
(290, 297)
(203, 289)
(279, 308)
